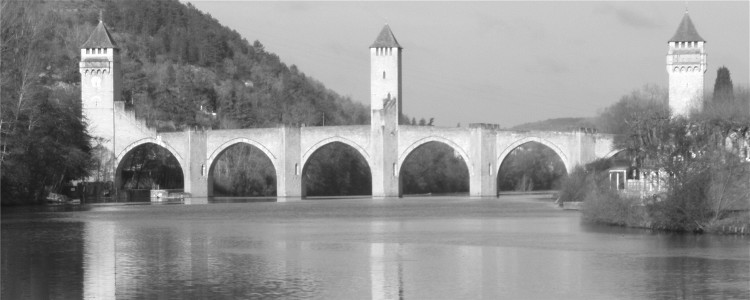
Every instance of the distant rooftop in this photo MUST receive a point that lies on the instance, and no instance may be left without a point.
(386, 39)
(686, 31)
(100, 38)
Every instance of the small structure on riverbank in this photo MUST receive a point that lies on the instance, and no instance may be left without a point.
(638, 182)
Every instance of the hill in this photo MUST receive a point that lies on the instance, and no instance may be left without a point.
(182, 68)
(557, 124)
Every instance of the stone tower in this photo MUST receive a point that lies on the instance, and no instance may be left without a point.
(100, 88)
(385, 108)
(100, 83)
(686, 64)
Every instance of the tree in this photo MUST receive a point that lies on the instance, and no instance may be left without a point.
(44, 140)
(649, 100)
(701, 155)
(723, 88)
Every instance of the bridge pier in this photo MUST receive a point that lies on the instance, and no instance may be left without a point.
(289, 173)
(482, 168)
(195, 173)
(384, 147)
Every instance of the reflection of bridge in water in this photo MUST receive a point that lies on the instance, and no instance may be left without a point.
(384, 144)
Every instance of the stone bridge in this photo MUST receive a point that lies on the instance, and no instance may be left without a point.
(289, 149)
(384, 144)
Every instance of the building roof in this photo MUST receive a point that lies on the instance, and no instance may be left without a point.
(686, 31)
(100, 38)
(386, 39)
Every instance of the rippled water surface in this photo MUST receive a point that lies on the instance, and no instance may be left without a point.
(412, 248)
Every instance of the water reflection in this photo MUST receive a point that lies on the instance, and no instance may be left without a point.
(342, 249)
(40, 259)
(99, 260)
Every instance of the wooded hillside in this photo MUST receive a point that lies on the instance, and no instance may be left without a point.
(180, 68)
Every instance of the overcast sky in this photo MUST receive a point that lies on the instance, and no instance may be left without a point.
(494, 62)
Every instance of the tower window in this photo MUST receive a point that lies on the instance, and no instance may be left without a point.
(383, 74)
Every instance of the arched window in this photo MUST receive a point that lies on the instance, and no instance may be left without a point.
(383, 74)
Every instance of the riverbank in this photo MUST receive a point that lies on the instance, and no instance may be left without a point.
(617, 210)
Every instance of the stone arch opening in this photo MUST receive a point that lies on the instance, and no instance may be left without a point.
(147, 165)
(531, 166)
(335, 169)
(433, 167)
(241, 169)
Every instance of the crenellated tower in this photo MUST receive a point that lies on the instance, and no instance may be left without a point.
(100, 84)
(385, 79)
(686, 65)
(385, 109)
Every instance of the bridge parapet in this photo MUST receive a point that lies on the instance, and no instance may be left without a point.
(129, 128)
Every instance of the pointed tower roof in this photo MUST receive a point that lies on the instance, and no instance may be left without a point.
(100, 38)
(386, 39)
(686, 31)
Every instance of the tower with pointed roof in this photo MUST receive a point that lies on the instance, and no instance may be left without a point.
(385, 77)
(100, 83)
(686, 65)
(385, 111)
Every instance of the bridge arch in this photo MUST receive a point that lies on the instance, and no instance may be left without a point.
(156, 141)
(149, 140)
(310, 151)
(215, 154)
(402, 157)
(560, 153)
(359, 178)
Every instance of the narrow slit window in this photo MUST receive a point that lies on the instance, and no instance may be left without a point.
(383, 74)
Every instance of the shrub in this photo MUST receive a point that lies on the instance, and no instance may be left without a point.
(609, 207)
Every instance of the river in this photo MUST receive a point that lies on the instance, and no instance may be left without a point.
(512, 247)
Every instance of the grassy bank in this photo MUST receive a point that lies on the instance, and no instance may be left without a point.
(712, 201)
(611, 208)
